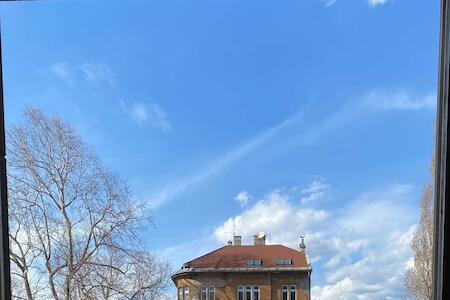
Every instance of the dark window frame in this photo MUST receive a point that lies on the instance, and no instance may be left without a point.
(441, 258)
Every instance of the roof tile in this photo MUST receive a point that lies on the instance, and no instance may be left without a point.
(236, 257)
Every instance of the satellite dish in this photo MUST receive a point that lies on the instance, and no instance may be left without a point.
(260, 235)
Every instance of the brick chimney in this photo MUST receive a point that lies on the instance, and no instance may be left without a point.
(259, 239)
(237, 240)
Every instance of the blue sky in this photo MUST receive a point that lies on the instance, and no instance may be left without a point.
(295, 117)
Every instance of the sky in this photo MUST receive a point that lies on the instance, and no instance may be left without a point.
(302, 117)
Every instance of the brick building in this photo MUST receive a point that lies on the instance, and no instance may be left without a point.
(246, 272)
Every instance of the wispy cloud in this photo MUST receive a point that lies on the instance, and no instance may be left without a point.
(151, 113)
(328, 3)
(215, 166)
(97, 73)
(374, 101)
(382, 100)
(63, 71)
(242, 198)
(372, 3)
(314, 191)
(370, 103)
(94, 73)
(376, 2)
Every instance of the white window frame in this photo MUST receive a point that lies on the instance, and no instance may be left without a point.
(180, 293)
(186, 293)
(286, 288)
(251, 288)
(183, 293)
(207, 290)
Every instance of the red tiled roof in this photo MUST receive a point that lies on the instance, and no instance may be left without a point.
(237, 256)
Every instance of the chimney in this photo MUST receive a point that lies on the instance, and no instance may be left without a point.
(260, 239)
(237, 240)
(302, 244)
(229, 243)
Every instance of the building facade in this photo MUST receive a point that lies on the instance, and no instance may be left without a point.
(246, 272)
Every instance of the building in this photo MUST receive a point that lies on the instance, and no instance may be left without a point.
(246, 272)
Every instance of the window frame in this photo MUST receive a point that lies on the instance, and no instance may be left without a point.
(284, 262)
(183, 291)
(441, 255)
(244, 288)
(254, 262)
(287, 288)
(207, 289)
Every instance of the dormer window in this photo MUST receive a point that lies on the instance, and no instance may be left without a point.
(254, 262)
(282, 262)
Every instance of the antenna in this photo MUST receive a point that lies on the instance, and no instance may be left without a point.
(234, 229)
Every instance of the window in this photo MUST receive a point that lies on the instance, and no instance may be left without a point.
(240, 292)
(289, 292)
(208, 292)
(284, 262)
(293, 292)
(212, 293)
(284, 292)
(180, 293)
(255, 293)
(183, 293)
(248, 292)
(254, 262)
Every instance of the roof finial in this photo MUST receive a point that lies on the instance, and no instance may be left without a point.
(302, 243)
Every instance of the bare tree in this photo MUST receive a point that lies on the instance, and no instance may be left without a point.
(69, 214)
(418, 279)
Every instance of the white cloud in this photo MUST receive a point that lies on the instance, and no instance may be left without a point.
(372, 3)
(142, 113)
(382, 100)
(243, 197)
(63, 71)
(97, 72)
(94, 73)
(362, 249)
(314, 191)
(377, 2)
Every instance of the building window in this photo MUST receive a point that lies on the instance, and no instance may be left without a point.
(183, 293)
(254, 262)
(289, 292)
(180, 293)
(284, 262)
(248, 292)
(240, 292)
(208, 292)
(293, 292)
